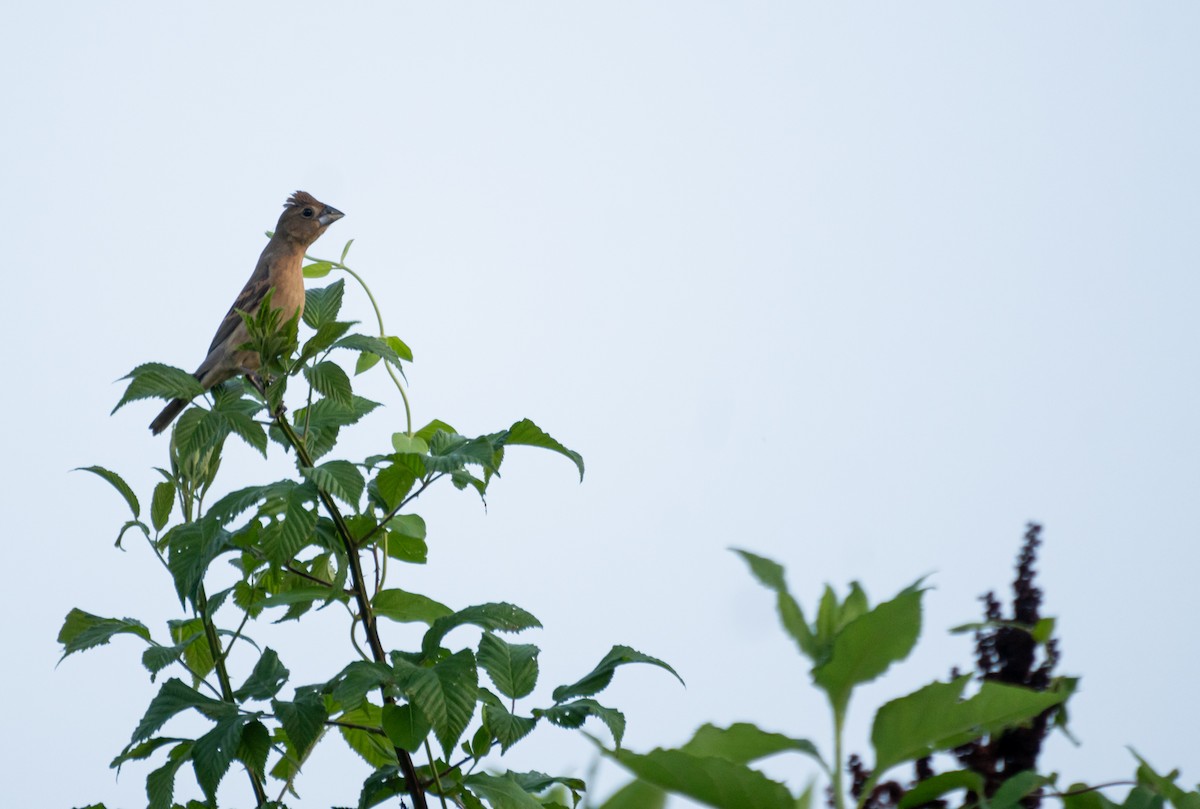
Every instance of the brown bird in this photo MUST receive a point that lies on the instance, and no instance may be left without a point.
(303, 221)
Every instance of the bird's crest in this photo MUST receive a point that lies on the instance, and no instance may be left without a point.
(301, 198)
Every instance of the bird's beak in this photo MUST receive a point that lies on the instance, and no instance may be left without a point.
(329, 215)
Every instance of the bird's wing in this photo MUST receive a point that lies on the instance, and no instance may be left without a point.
(247, 301)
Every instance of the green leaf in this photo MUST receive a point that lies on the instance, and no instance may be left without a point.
(236, 502)
(513, 667)
(713, 781)
(409, 444)
(246, 428)
(598, 678)
(156, 658)
(1163, 785)
(770, 574)
(173, 697)
(1013, 789)
(743, 743)
(502, 792)
(427, 432)
(82, 630)
(282, 540)
(506, 727)
(345, 250)
(330, 380)
(318, 269)
(161, 504)
(138, 752)
(155, 380)
(636, 795)
(365, 362)
(322, 304)
(930, 789)
(400, 347)
(405, 726)
(868, 645)
(326, 336)
(160, 784)
(356, 680)
(191, 549)
(371, 345)
(498, 617)
(192, 642)
(214, 752)
(395, 481)
(406, 607)
(141, 526)
(265, 680)
(445, 694)
(119, 484)
(340, 478)
(375, 748)
(254, 748)
(574, 714)
(303, 719)
(449, 453)
(526, 433)
(935, 718)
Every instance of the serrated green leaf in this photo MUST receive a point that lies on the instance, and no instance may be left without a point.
(598, 678)
(404, 607)
(214, 752)
(82, 630)
(119, 484)
(303, 719)
(406, 726)
(496, 617)
(502, 792)
(172, 698)
(574, 714)
(375, 748)
(282, 540)
(322, 304)
(330, 380)
(771, 575)
(325, 337)
(254, 747)
(340, 478)
(371, 345)
(932, 788)
(395, 481)
(526, 433)
(192, 641)
(506, 727)
(427, 432)
(160, 784)
(265, 680)
(154, 380)
(445, 695)
(161, 504)
(191, 548)
(866, 647)
(513, 667)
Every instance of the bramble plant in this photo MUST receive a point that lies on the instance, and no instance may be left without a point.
(993, 737)
(310, 541)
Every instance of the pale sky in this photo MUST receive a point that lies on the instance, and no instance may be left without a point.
(861, 287)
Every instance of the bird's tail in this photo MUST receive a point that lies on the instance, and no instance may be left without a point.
(168, 414)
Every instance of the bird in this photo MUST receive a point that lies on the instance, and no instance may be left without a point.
(303, 221)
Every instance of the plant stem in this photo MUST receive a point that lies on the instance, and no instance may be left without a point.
(412, 782)
(839, 794)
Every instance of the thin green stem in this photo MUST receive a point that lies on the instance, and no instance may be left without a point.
(437, 778)
(366, 613)
(839, 794)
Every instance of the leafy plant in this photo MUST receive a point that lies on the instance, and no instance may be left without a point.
(991, 725)
(337, 532)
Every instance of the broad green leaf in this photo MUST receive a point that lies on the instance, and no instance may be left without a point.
(191, 549)
(160, 784)
(405, 607)
(395, 481)
(427, 432)
(405, 726)
(322, 304)
(283, 539)
(173, 697)
(161, 504)
(156, 658)
(499, 617)
(506, 727)
(330, 380)
(303, 719)
(930, 789)
(236, 502)
(513, 667)
(254, 748)
(636, 795)
(246, 428)
(743, 743)
(365, 362)
(1013, 789)
(400, 347)
(82, 630)
(449, 453)
(535, 782)
(868, 645)
(407, 549)
(574, 714)
(214, 752)
(1165, 785)
(318, 269)
(265, 680)
(119, 484)
(502, 792)
(375, 748)
(340, 478)
(526, 433)
(713, 781)
(155, 380)
(326, 336)
(935, 718)
(771, 575)
(196, 653)
(409, 444)
(598, 678)
(372, 345)
(445, 694)
(356, 680)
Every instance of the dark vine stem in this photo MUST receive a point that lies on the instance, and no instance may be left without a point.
(415, 789)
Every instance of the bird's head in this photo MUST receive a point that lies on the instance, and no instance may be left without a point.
(304, 218)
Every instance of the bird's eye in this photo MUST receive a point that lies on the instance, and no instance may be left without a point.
(307, 213)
